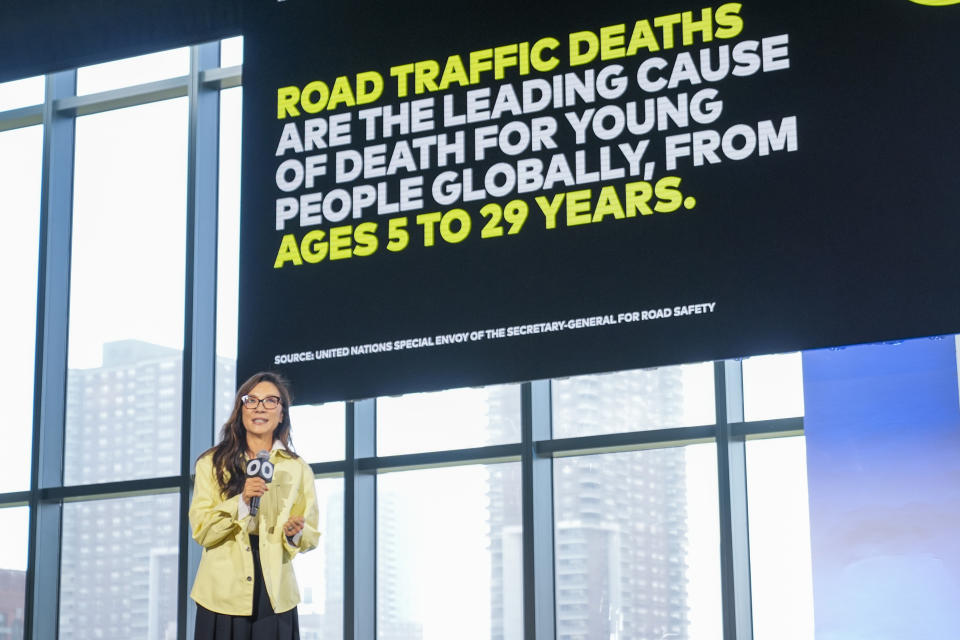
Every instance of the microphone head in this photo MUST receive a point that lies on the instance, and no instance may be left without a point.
(263, 455)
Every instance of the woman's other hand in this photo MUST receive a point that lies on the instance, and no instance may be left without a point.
(293, 527)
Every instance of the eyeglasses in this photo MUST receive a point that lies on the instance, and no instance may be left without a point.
(252, 402)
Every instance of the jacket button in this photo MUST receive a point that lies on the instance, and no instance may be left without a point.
(248, 548)
(249, 579)
(271, 530)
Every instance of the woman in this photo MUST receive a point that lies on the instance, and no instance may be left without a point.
(245, 586)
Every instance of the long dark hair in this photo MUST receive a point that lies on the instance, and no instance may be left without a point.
(228, 460)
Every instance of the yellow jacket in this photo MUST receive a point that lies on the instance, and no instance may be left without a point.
(224, 582)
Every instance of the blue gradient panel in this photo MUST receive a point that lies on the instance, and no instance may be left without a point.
(883, 454)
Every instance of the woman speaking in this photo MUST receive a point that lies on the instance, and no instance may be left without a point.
(245, 586)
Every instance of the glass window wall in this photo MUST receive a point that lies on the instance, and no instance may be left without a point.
(228, 253)
(13, 571)
(452, 419)
(20, 163)
(119, 568)
(638, 400)
(773, 387)
(448, 553)
(133, 71)
(637, 543)
(21, 93)
(781, 573)
(127, 294)
(320, 572)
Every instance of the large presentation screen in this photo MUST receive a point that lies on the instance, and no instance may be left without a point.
(459, 194)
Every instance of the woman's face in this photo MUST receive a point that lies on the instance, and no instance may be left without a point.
(260, 420)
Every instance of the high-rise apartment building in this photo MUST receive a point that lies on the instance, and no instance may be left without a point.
(396, 618)
(119, 559)
(620, 519)
(12, 584)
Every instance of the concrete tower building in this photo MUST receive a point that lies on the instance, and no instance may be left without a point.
(119, 561)
(620, 533)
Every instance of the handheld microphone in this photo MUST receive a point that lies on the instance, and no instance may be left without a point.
(259, 467)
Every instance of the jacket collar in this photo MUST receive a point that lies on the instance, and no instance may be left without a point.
(278, 448)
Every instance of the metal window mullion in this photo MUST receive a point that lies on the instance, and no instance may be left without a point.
(200, 311)
(732, 480)
(23, 117)
(537, 498)
(627, 441)
(125, 97)
(223, 77)
(359, 521)
(41, 610)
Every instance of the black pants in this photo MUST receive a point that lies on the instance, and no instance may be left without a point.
(264, 624)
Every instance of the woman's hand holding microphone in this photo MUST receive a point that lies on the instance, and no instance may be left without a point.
(254, 487)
